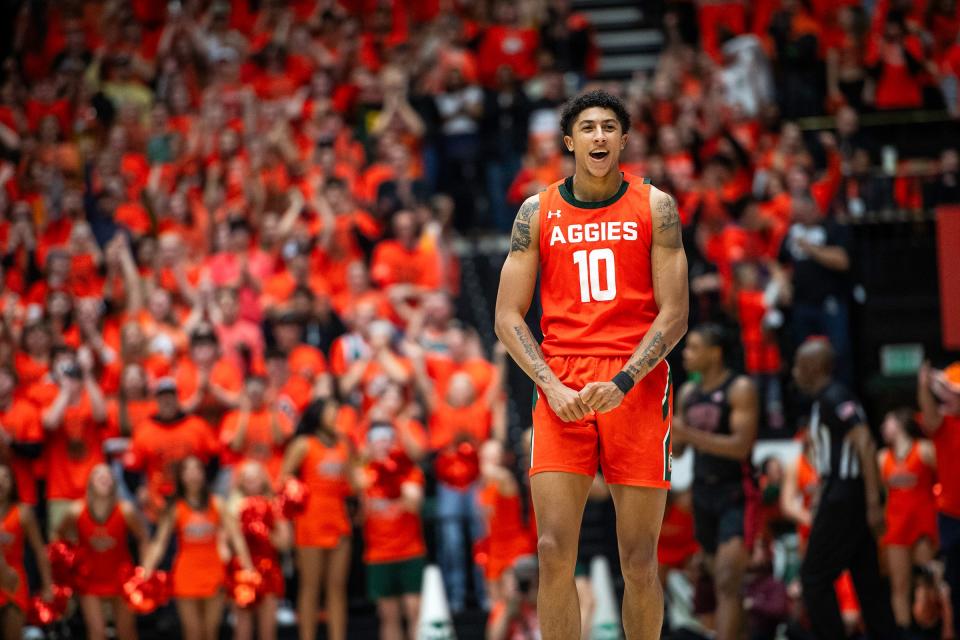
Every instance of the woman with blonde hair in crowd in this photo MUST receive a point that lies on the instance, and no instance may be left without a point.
(252, 484)
(100, 525)
(204, 538)
(320, 457)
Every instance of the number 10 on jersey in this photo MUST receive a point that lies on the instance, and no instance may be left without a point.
(589, 265)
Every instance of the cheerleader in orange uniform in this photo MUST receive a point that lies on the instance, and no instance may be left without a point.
(908, 471)
(253, 483)
(17, 527)
(99, 526)
(508, 537)
(204, 539)
(320, 457)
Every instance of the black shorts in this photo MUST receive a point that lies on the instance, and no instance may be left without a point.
(722, 512)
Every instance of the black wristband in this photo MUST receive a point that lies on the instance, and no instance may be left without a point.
(623, 381)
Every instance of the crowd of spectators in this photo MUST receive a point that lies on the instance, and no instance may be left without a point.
(216, 215)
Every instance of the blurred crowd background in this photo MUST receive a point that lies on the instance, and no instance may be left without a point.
(223, 222)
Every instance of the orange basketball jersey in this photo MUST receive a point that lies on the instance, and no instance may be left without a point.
(596, 286)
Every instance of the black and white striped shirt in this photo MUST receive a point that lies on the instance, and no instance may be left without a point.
(834, 414)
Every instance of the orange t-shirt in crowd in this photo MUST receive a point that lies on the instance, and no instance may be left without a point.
(324, 471)
(897, 86)
(223, 374)
(346, 301)
(509, 536)
(259, 444)
(447, 422)
(441, 368)
(28, 370)
(138, 412)
(157, 448)
(391, 533)
(393, 263)
(515, 47)
(761, 352)
(374, 377)
(21, 421)
(134, 217)
(198, 570)
(104, 551)
(72, 451)
(346, 350)
(293, 397)
(11, 545)
(946, 439)
(278, 288)
(307, 362)
(713, 16)
(596, 281)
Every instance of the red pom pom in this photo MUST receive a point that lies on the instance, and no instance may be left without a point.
(389, 474)
(244, 586)
(458, 466)
(257, 509)
(293, 498)
(143, 594)
(257, 519)
(41, 613)
(66, 564)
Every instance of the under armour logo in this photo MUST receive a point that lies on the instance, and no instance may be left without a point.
(553, 214)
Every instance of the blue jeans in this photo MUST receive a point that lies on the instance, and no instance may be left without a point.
(831, 319)
(456, 508)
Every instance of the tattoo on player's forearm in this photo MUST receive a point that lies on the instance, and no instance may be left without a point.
(520, 238)
(652, 354)
(533, 352)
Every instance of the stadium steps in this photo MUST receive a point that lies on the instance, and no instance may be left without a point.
(627, 43)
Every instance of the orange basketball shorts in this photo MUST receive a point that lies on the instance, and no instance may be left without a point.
(631, 444)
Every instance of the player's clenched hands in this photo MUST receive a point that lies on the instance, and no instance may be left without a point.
(601, 396)
(566, 402)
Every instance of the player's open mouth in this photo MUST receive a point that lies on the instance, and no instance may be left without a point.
(599, 155)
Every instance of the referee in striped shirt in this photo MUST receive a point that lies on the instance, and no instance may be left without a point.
(849, 512)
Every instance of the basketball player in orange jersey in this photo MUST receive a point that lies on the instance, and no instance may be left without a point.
(613, 287)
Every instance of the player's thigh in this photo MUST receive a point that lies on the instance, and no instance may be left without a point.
(558, 502)
(635, 437)
(639, 516)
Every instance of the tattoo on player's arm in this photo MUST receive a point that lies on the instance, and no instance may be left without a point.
(639, 365)
(520, 238)
(667, 214)
(533, 352)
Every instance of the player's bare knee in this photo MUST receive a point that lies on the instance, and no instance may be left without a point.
(639, 565)
(553, 557)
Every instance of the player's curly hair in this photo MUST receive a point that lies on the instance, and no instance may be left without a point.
(596, 98)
